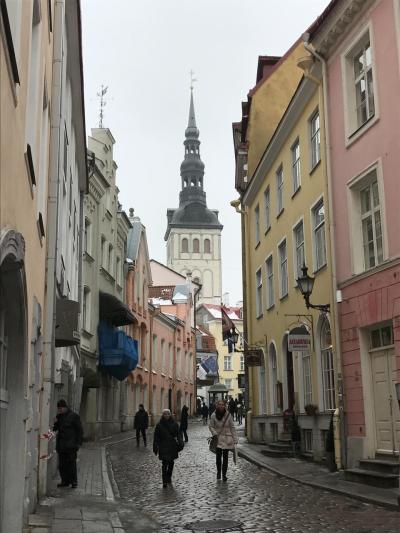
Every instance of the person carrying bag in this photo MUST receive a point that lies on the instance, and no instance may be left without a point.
(167, 443)
(224, 438)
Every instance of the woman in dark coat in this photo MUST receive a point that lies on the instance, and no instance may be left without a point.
(167, 443)
(184, 422)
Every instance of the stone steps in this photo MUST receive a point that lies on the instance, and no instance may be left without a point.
(373, 478)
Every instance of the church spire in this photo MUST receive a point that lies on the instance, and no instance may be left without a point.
(191, 130)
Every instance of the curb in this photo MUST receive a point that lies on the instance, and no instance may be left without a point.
(342, 492)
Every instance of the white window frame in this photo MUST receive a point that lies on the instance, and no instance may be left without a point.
(257, 224)
(352, 128)
(267, 208)
(283, 279)
(315, 139)
(228, 383)
(241, 362)
(279, 190)
(270, 281)
(306, 364)
(317, 263)
(298, 261)
(328, 372)
(227, 362)
(87, 236)
(86, 309)
(155, 352)
(296, 166)
(259, 304)
(354, 186)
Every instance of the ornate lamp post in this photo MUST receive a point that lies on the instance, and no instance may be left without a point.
(306, 284)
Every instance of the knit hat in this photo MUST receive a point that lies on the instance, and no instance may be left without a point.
(62, 403)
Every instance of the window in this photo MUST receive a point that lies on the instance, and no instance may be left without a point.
(178, 362)
(171, 358)
(382, 336)
(185, 246)
(242, 362)
(308, 440)
(34, 80)
(103, 251)
(318, 216)
(258, 293)
(307, 380)
(86, 309)
(270, 282)
(298, 241)
(118, 276)
(283, 269)
(363, 83)
(196, 246)
(207, 246)
(228, 383)
(155, 352)
(267, 208)
(279, 190)
(328, 372)
(315, 140)
(227, 362)
(257, 224)
(296, 166)
(371, 225)
(87, 236)
(163, 365)
(110, 258)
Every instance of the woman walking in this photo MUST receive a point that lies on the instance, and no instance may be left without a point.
(184, 422)
(167, 443)
(222, 425)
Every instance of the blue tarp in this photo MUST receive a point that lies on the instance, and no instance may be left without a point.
(118, 351)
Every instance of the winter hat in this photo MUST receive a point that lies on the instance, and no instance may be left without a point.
(62, 403)
(166, 412)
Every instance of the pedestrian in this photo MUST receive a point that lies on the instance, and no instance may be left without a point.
(239, 413)
(204, 413)
(236, 406)
(167, 443)
(231, 407)
(141, 423)
(69, 438)
(198, 407)
(184, 422)
(221, 424)
(211, 409)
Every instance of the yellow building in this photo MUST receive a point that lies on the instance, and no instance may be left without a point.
(230, 365)
(284, 207)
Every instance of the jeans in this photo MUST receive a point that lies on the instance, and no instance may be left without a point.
(167, 468)
(143, 432)
(222, 454)
(67, 468)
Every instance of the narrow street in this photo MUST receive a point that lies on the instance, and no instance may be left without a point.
(252, 501)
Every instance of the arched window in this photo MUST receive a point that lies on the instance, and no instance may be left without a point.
(328, 372)
(207, 246)
(185, 245)
(196, 246)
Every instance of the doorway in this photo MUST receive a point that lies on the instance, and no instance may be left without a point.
(290, 379)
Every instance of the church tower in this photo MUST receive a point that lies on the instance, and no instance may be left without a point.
(194, 232)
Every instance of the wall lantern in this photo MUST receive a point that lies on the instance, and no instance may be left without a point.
(306, 284)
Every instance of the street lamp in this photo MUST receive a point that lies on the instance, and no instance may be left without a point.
(306, 284)
(235, 336)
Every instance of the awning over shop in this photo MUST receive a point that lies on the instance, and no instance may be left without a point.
(118, 351)
(67, 330)
(114, 311)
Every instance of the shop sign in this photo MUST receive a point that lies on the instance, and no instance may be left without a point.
(299, 342)
(254, 357)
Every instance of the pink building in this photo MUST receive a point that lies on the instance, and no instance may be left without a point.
(360, 42)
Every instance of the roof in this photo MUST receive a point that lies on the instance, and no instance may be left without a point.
(315, 26)
(215, 311)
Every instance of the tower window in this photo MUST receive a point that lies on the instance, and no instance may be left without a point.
(207, 246)
(185, 246)
(193, 183)
(196, 246)
(185, 182)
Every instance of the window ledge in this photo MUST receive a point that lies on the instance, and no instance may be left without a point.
(88, 257)
(87, 333)
(284, 296)
(257, 245)
(314, 168)
(271, 307)
(280, 212)
(322, 267)
(267, 230)
(296, 191)
(356, 134)
(259, 316)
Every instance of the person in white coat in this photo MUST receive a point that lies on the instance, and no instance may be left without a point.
(221, 424)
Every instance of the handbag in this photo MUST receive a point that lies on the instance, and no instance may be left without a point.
(213, 440)
(178, 440)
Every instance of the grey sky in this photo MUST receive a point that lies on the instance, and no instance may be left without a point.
(143, 51)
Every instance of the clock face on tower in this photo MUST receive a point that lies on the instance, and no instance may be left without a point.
(194, 231)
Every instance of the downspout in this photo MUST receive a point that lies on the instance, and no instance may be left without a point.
(52, 249)
(80, 293)
(335, 315)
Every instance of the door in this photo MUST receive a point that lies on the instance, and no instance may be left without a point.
(387, 417)
(290, 379)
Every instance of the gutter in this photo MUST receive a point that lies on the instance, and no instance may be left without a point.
(335, 314)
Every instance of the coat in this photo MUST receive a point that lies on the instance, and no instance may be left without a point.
(69, 432)
(166, 438)
(227, 436)
(141, 420)
(184, 419)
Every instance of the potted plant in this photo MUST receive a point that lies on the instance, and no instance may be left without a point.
(311, 409)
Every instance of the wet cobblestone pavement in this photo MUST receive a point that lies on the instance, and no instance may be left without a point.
(252, 501)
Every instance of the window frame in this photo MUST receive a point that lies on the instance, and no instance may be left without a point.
(267, 208)
(283, 294)
(314, 228)
(257, 225)
(279, 190)
(227, 363)
(314, 160)
(296, 267)
(270, 281)
(259, 304)
(196, 245)
(296, 166)
(185, 245)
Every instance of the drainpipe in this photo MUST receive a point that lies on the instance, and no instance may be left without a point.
(48, 365)
(335, 314)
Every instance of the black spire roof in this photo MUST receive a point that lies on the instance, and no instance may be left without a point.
(192, 211)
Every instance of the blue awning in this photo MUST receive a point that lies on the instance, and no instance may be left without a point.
(118, 351)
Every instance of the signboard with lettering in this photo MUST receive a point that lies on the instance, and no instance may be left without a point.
(299, 340)
(254, 357)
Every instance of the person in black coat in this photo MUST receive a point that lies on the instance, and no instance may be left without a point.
(167, 443)
(204, 414)
(69, 430)
(141, 423)
(184, 422)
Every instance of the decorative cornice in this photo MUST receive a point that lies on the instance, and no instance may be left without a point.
(12, 244)
(95, 189)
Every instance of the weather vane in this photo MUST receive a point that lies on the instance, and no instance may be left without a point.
(101, 94)
(192, 80)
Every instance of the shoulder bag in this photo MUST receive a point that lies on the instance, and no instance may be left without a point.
(213, 441)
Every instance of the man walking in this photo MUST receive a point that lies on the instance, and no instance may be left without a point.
(69, 439)
(141, 423)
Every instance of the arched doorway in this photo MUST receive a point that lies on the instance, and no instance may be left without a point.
(13, 375)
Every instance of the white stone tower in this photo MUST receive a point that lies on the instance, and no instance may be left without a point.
(194, 232)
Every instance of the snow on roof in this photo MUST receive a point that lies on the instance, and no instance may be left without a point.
(215, 310)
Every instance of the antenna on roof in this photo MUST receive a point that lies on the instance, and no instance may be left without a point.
(192, 80)
(103, 103)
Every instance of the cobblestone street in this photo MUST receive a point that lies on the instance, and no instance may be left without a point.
(252, 501)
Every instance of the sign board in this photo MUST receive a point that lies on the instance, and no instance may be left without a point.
(254, 357)
(299, 340)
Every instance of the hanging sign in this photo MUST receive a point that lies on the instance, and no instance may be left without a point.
(299, 340)
(254, 357)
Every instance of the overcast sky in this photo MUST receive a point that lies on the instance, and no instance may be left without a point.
(143, 51)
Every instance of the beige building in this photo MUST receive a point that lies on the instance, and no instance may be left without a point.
(26, 49)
